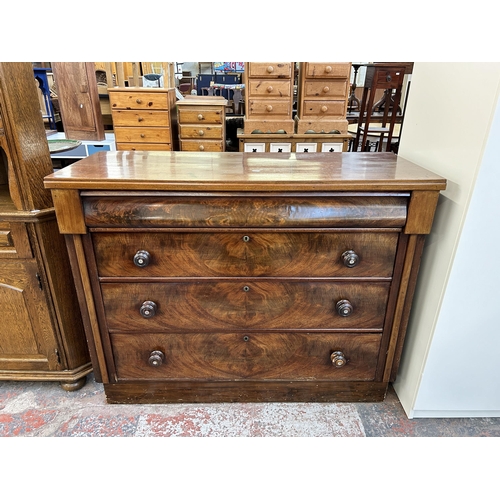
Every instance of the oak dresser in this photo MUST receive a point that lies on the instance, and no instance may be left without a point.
(239, 277)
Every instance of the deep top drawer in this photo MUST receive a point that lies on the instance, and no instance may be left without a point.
(207, 114)
(252, 211)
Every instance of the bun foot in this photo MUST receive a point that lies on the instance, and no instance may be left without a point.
(74, 385)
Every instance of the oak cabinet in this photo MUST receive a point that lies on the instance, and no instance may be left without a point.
(41, 329)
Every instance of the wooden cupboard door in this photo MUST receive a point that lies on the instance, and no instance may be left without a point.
(79, 100)
(27, 337)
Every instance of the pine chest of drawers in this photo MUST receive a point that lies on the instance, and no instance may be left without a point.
(144, 118)
(240, 277)
(202, 123)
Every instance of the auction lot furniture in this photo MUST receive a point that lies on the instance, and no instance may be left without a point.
(244, 277)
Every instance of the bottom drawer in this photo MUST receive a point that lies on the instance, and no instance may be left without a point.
(258, 356)
(212, 146)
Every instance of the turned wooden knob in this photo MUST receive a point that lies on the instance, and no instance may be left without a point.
(156, 358)
(350, 258)
(269, 108)
(138, 101)
(143, 135)
(344, 308)
(201, 148)
(270, 88)
(338, 359)
(142, 258)
(140, 119)
(328, 69)
(148, 309)
(201, 132)
(200, 117)
(270, 69)
(324, 109)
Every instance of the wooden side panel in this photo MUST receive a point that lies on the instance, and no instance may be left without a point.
(69, 211)
(421, 212)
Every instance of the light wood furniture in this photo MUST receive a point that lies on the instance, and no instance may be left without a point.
(144, 118)
(41, 329)
(79, 100)
(269, 97)
(387, 77)
(202, 123)
(242, 277)
(323, 95)
(292, 143)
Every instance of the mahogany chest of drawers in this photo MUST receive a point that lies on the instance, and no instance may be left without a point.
(241, 277)
(144, 118)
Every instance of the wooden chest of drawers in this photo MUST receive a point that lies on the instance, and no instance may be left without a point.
(144, 118)
(322, 97)
(240, 277)
(202, 123)
(269, 97)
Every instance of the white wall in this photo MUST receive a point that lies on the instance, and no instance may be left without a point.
(449, 365)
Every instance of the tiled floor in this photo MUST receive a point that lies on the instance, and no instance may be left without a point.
(44, 409)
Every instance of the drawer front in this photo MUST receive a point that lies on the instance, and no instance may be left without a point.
(128, 118)
(249, 253)
(202, 146)
(215, 305)
(146, 146)
(201, 131)
(384, 78)
(143, 134)
(328, 212)
(269, 88)
(328, 70)
(232, 356)
(138, 100)
(334, 109)
(206, 115)
(270, 69)
(269, 108)
(327, 89)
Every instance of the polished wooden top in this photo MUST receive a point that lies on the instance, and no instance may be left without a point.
(268, 172)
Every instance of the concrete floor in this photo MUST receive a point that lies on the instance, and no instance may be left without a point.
(44, 409)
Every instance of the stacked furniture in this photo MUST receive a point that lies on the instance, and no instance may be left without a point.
(323, 95)
(269, 97)
(239, 277)
(41, 329)
(202, 123)
(144, 118)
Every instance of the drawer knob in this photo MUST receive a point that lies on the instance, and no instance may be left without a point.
(202, 148)
(338, 359)
(140, 119)
(138, 101)
(156, 358)
(143, 135)
(142, 258)
(200, 117)
(350, 258)
(270, 69)
(344, 308)
(269, 108)
(324, 109)
(201, 132)
(326, 90)
(328, 69)
(148, 309)
(270, 88)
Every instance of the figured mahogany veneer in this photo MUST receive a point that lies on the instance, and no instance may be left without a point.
(235, 277)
